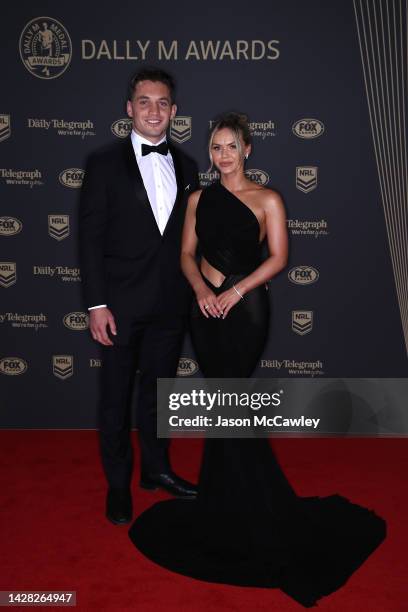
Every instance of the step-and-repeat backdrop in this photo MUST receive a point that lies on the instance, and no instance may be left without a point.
(324, 85)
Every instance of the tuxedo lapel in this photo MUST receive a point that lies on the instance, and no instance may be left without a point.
(137, 182)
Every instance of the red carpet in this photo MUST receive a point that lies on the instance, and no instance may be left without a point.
(54, 535)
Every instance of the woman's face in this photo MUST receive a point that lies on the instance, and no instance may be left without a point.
(225, 155)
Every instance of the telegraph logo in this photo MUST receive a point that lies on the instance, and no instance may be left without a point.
(77, 321)
(5, 127)
(45, 48)
(8, 273)
(258, 176)
(308, 128)
(187, 367)
(62, 366)
(306, 178)
(180, 129)
(302, 321)
(72, 177)
(303, 275)
(121, 127)
(12, 366)
(58, 226)
(9, 226)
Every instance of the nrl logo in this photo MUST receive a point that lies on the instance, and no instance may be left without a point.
(5, 127)
(187, 367)
(62, 366)
(302, 321)
(258, 176)
(72, 177)
(180, 129)
(58, 226)
(306, 178)
(8, 273)
(121, 127)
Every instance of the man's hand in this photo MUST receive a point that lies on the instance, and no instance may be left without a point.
(99, 320)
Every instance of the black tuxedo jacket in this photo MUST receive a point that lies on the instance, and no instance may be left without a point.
(125, 261)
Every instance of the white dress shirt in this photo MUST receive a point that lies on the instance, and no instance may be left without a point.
(159, 179)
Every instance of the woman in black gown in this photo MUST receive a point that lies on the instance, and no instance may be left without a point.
(247, 526)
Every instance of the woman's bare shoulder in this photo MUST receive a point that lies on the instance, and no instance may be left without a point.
(271, 199)
(194, 197)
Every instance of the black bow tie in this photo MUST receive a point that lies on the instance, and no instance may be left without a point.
(162, 148)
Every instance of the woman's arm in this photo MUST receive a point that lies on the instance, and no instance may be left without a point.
(206, 299)
(277, 238)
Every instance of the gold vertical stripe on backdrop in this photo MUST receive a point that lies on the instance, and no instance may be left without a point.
(382, 31)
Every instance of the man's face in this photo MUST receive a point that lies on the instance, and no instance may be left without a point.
(151, 110)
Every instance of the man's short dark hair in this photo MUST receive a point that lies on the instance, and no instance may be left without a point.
(151, 74)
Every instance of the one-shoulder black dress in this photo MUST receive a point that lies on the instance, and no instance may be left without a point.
(247, 526)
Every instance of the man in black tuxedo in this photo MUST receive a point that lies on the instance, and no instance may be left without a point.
(132, 210)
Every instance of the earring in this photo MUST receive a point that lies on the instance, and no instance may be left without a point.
(246, 156)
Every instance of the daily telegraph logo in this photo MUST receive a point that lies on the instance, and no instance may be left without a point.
(121, 127)
(258, 176)
(58, 226)
(302, 321)
(306, 178)
(12, 366)
(65, 273)
(9, 226)
(303, 275)
(180, 129)
(24, 320)
(308, 128)
(63, 127)
(8, 273)
(29, 178)
(187, 367)
(62, 366)
(207, 178)
(5, 127)
(72, 177)
(45, 48)
(77, 321)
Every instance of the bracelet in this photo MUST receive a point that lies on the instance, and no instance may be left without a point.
(236, 290)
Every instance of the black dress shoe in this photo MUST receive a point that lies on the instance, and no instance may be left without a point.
(119, 506)
(170, 482)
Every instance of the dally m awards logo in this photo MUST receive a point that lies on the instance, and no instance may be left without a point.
(12, 366)
(9, 226)
(122, 127)
(45, 48)
(302, 321)
(77, 321)
(303, 275)
(58, 226)
(62, 366)
(258, 176)
(72, 177)
(180, 129)
(8, 273)
(308, 128)
(5, 127)
(306, 178)
(187, 367)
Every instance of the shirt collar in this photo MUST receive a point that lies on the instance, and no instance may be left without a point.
(138, 140)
